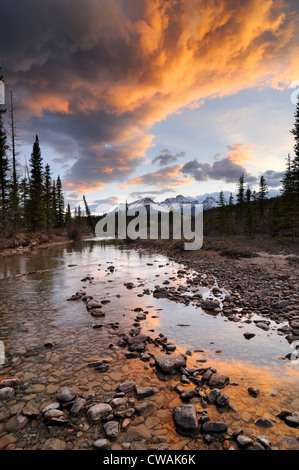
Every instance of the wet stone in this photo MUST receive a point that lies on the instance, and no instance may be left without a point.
(99, 411)
(101, 444)
(146, 408)
(169, 364)
(66, 394)
(6, 393)
(126, 386)
(185, 419)
(214, 426)
(218, 381)
(54, 444)
(111, 429)
(264, 423)
(143, 392)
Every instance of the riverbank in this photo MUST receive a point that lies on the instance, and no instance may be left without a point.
(20, 243)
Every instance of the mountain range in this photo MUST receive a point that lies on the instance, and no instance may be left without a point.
(176, 203)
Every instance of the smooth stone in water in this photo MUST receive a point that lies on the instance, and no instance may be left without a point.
(66, 394)
(111, 429)
(99, 411)
(185, 419)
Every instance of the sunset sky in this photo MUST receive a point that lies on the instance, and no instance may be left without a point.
(136, 98)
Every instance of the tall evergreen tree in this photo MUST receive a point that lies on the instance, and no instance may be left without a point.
(248, 194)
(54, 207)
(60, 203)
(68, 216)
(48, 197)
(241, 197)
(262, 194)
(37, 213)
(88, 214)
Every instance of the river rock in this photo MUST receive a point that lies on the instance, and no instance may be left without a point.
(93, 304)
(126, 387)
(214, 426)
(264, 423)
(146, 408)
(292, 421)
(218, 381)
(97, 313)
(55, 417)
(213, 396)
(99, 411)
(137, 343)
(16, 423)
(118, 401)
(170, 364)
(78, 405)
(111, 429)
(253, 391)
(210, 304)
(244, 441)
(249, 336)
(101, 444)
(54, 444)
(143, 392)
(51, 406)
(9, 383)
(30, 411)
(262, 326)
(66, 394)
(6, 393)
(185, 419)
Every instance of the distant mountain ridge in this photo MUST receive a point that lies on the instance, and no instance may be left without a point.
(176, 203)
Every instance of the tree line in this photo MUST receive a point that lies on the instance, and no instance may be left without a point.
(34, 201)
(250, 212)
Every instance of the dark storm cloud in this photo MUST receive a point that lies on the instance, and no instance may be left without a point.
(224, 170)
(92, 77)
(273, 178)
(166, 158)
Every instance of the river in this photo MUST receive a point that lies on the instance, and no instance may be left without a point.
(49, 342)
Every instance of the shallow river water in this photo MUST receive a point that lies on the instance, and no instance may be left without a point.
(49, 342)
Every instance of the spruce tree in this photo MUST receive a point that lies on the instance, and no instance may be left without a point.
(88, 214)
(60, 203)
(241, 197)
(54, 208)
(37, 213)
(262, 195)
(288, 206)
(68, 216)
(48, 197)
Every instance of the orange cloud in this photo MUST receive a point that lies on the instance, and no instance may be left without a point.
(110, 74)
(239, 153)
(171, 174)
